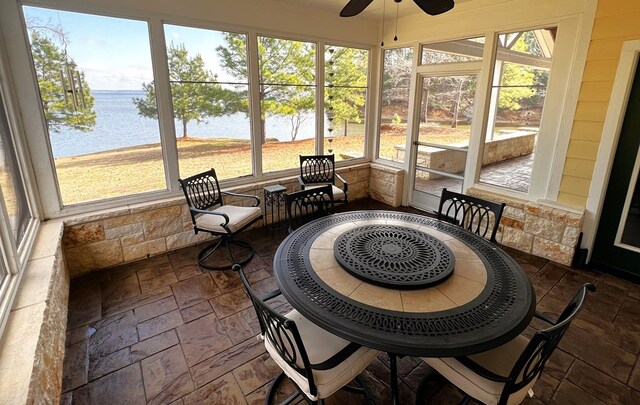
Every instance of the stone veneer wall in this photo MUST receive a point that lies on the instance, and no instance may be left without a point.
(112, 237)
(32, 348)
(386, 184)
(538, 229)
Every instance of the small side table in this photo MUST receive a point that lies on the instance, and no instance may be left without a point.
(273, 200)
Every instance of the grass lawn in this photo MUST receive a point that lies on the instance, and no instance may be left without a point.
(140, 169)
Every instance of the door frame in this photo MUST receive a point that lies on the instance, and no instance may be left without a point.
(483, 69)
(460, 69)
(619, 99)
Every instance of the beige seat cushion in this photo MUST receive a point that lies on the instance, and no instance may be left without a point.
(238, 217)
(338, 193)
(321, 346)
(499, 361)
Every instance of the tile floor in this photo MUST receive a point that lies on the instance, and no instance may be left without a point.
(163, 331)
(514, 174)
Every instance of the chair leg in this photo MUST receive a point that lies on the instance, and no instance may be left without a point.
(242, 257)
(362, 389)
(268, 400)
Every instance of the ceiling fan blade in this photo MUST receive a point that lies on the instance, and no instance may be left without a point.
(435, 7)
(354, 7)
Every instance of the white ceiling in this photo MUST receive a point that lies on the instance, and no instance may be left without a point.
(373, 11)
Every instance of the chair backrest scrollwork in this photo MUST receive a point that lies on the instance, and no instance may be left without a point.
(202, 190)
(476, 215)
(318, 169)
(309, 204)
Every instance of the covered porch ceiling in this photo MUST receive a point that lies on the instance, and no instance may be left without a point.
(373, 12)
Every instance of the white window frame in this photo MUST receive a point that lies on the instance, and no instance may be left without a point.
(11, 16)
(557, 116)
(14, 257)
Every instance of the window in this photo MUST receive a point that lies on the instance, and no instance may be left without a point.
(521, 73)
(17, 223)
(209, 91)
(11, 183)
(98, 96)
(464, 50)
(345, 95)
(117, 132)
(287, 100)
(396, 80)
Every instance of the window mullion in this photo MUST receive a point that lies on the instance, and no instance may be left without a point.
(320, 95)
(163, 100)
(480, 113)
(255, 109)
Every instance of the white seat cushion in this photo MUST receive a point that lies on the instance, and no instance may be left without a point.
(338, 193)
(321, 346)
(499, 361)
(238, 217)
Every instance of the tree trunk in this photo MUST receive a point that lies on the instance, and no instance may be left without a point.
(346, 125)
(456, 110)
(184, 128)
(263, 133)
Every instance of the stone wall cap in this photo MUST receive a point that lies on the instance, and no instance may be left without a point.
(386, 168)
(48, 239)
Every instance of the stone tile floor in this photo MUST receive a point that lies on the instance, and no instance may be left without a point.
(162, 330)
(514, 174)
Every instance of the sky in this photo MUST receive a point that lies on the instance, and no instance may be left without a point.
(114, 53)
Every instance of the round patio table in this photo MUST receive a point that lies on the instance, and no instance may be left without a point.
(405, 284)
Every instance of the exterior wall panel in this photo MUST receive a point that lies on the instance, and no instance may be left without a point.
(615, 22)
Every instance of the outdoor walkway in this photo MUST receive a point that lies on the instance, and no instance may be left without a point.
(163, 331)
(514, 174)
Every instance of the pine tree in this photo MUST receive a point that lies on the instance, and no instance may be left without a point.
(65, 93)
(196, 95)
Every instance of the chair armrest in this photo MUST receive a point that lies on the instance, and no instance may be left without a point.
(544, 317)
(301, 182)
(243, 195)
(342, 180)
(206, 212)
(271, 295)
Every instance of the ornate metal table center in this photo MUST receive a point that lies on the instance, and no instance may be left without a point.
(394, 256)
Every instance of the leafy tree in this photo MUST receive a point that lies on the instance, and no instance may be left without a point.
(66, 97)
(195, 93)
(286, 76)
(515, 85)
(347, 77)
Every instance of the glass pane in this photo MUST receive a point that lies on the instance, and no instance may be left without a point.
(446, 109)
(463, 50)
(96, 85)
(287, 101)
(209, 91)
(631, 232)
(518, 93)
(11, 184)
(433, 184)
(345, 96)
(396, 76)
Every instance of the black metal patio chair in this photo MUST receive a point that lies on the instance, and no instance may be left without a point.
(210, 214)
(318, 170)
(306, 205)
(317, 362)
(506, 374)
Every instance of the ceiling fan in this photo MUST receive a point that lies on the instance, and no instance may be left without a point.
(431, 7)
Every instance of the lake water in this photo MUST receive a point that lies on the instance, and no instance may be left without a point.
(118, 125)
